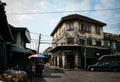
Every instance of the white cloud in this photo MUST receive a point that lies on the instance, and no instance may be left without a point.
(34, 11)
(43, 4)
(110, 17)
(41, 23)
(110, 3)
(18, 6)
(117, 16)
(21, 19)
(54, 22)
(25, 17)
(72, 6)
(107, 16)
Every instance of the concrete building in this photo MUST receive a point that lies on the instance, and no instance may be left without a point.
(77, 41)
(112, 41)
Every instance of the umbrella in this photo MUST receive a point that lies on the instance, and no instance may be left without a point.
(39, 56)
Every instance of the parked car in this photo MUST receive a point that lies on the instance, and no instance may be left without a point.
(113, 66)
(109, 58)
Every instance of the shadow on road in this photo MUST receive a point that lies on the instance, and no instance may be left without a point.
(38, 79)
(48, 72)
(53, 76)
(49, 69)
(52, 72)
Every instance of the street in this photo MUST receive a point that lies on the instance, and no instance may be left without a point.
(52, 74)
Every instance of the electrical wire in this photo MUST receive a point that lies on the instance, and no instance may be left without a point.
(47, 12)
(41, 34)
(34, 33)
(45, 35)
(113, 24)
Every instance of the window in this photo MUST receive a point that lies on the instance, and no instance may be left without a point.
(15, 38)
(93, 42)
(97, 30)
(89, 42)
(89, 28)
(85, 27)
(81, 42)
(70, 26)
(107, 44)
(113, 45)
(98, 43)
(70, 40)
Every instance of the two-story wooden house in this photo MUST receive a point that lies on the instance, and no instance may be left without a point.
(77, 41)
(18, 50)
(13, 41)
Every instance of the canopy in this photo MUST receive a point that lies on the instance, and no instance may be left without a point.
(39, 56)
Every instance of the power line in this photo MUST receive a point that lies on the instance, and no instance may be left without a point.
(45, 35)
(34, 33)
(46, 43)
(41, 34)
(65, 11)
(113, 24)
(45, 40)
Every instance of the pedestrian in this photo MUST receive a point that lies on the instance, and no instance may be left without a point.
(39, 68)
(33, 69)
(30, 73)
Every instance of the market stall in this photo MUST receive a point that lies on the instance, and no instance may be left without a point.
(11, 75)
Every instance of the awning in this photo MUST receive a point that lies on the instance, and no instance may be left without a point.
(21, 50)
(68, 47)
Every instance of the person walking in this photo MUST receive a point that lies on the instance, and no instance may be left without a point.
(30, 73)
(39, 68)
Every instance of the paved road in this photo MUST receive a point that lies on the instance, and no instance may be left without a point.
(58, 75)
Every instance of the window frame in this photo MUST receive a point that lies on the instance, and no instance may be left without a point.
(97, 29)
(85, 27)
(70, 40)
(70, 26)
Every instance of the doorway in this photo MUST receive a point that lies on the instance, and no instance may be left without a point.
(70, 60)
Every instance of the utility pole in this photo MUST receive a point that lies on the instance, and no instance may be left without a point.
(85, 57)
(119, 31)
(39, 42)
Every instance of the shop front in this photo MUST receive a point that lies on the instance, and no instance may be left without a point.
(67, 56)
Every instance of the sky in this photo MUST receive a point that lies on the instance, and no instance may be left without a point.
(41, 16)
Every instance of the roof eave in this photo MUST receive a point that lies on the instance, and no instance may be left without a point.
(78, 17)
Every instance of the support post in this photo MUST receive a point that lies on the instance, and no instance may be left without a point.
(85, 57)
